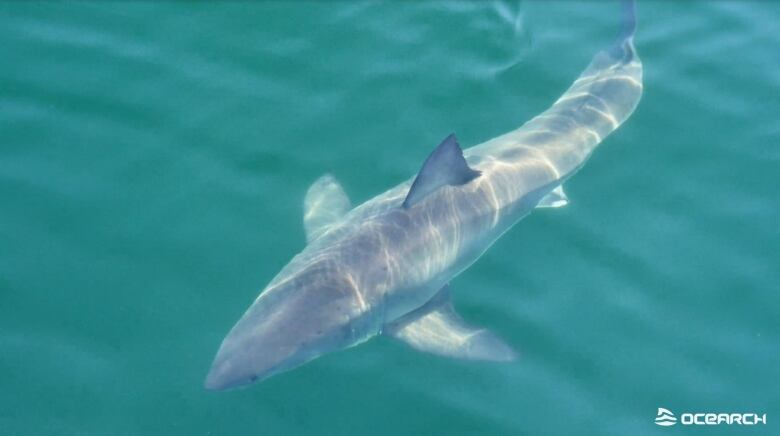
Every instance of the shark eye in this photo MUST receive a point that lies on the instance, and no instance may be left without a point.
(253, 378)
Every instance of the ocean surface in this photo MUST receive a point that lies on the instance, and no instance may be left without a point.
(154, 158)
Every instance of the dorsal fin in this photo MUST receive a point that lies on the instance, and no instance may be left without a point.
(445, 166)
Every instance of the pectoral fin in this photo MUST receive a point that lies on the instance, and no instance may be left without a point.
(324, 204)
(436, 328)
(444, 166)
(556, 198)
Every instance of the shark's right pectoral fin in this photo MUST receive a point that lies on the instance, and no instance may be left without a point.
(324, 204)
(436, 328)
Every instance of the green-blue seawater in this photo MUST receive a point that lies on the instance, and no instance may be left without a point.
(154, 158)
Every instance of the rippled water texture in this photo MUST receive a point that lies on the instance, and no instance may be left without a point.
(154, 157)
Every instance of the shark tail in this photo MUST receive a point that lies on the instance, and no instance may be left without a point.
(597, 103)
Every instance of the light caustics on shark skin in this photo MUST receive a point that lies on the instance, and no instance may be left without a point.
(384, 266)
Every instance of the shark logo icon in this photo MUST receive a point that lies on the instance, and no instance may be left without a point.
(665, 418)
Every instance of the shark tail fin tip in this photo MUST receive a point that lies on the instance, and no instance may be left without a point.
(629, 19)
(623, 48)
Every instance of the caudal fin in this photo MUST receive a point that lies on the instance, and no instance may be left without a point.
(596, 104)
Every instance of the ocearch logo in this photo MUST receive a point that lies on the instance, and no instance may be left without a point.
(666, 418)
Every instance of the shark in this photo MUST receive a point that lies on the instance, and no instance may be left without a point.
(384, 267)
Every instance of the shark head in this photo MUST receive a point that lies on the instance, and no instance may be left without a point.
(296, 319)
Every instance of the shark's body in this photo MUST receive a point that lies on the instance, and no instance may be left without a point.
(383, 267)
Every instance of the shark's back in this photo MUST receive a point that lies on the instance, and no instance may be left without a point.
(552, 146)
(518, 168)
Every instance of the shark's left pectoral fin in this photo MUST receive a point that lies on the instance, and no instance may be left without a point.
(444, 166)
(324, 204)
(436, 328)
(556, 198)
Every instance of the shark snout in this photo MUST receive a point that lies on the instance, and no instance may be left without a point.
(285, 328)
(237, 366)
(252, 351)
(220, 375)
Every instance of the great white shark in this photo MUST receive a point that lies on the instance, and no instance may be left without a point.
(383, 267)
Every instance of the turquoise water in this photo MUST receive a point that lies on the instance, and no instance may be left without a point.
(154, 157)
